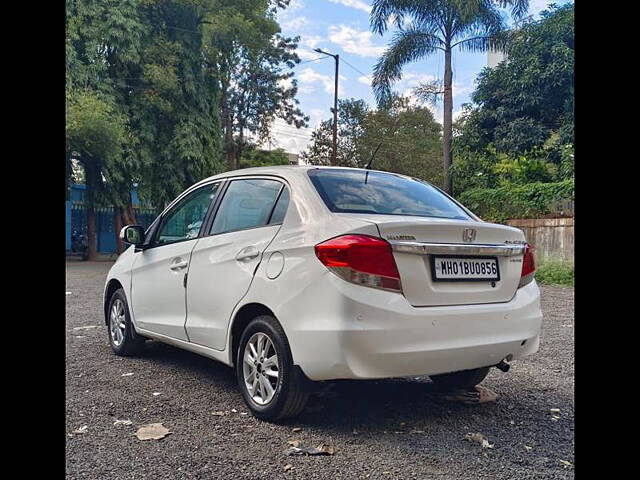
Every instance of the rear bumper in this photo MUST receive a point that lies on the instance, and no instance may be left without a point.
(363, 333)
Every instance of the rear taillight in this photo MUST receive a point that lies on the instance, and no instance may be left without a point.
(528, 266)
(361, 259)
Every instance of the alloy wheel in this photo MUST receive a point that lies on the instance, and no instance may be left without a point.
(117, 322)
(260, 368)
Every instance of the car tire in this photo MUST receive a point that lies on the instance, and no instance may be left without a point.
(464, 379)
(287, 393)
(123, 339)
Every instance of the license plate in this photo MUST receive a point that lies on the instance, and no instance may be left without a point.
(465, 269)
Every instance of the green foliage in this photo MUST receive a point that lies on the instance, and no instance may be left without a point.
(169, 72)
(525, 104)
(555, 272)
(253, 157)
(518, 201)
(409, 134)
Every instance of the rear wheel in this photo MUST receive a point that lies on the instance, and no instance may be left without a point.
(464, 379)
(272, 388)
(123, 339)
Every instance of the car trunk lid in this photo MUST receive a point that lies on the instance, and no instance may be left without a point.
(421, 245)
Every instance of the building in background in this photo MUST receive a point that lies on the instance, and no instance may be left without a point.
(494, 57)
(294, 158)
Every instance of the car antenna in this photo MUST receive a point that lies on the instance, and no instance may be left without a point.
(368, 166)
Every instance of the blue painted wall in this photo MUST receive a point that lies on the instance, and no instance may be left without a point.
(76, 218)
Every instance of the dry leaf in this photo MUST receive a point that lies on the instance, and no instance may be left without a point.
(478, 438)
(155, 394)
(122, 422)
(219, 413)
(528, 448)
(566, 463)
(82, 429)
(486, 395)
(328, 449)
(477, 395)
(288, 467)
(152, 431)
(300, 449)
(296, 429)
(127, 374)
(294, 443)
(554, 410)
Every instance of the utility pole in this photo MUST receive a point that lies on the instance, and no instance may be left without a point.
(335, 107)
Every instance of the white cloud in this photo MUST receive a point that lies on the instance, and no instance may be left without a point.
(308, 77)
(354, 41)
(296, 23)
(308, 43)
(364, 80)
(357, 4)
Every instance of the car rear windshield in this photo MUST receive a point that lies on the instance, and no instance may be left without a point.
(359, 191)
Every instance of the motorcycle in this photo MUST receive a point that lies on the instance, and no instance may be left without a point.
(79, 243)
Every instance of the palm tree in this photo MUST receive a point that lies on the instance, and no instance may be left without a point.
(428, 26)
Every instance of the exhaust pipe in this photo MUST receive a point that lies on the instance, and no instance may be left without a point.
(503, 366)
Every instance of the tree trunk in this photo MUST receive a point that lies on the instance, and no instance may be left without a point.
(447, 123)
(117, 223)
(92, 243)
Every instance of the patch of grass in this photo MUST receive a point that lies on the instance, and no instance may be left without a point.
(554, 272)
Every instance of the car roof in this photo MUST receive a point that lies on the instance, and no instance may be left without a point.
(285, 171)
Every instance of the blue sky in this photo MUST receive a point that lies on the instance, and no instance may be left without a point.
(342, 27)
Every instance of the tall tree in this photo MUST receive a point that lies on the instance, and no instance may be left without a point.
(521, 104)
(408, 138)
(254, 73)
(425, 27)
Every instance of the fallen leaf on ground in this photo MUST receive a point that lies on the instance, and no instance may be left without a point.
(152, 431)
(122, 422)
(82, 429)
(479, 394)
(294, 443)
(127, 374)
(219, 413)
(478, 438)
(527, 448)
(155, 394)
(288, 467)
(296, 429)
(86, 327)
(554, 410)
(566, 463)
(234, 410)
(299, 449)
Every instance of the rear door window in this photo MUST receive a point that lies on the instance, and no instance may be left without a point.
(359, 191)
(247, 203)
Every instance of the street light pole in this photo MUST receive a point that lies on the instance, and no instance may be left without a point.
(335, 107)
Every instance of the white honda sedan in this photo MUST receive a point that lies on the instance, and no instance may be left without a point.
(295, 275)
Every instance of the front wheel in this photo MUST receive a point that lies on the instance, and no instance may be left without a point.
(272, 388)
(464, 379)
(123, 339)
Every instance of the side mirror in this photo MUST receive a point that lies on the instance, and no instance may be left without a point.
(132, 234)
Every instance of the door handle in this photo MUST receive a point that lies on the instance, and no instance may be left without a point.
(247, 253)
(178, 264)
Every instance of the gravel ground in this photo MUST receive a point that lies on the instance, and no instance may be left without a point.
(383, 429)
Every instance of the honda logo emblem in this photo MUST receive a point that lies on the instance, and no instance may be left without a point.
(468, 235)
